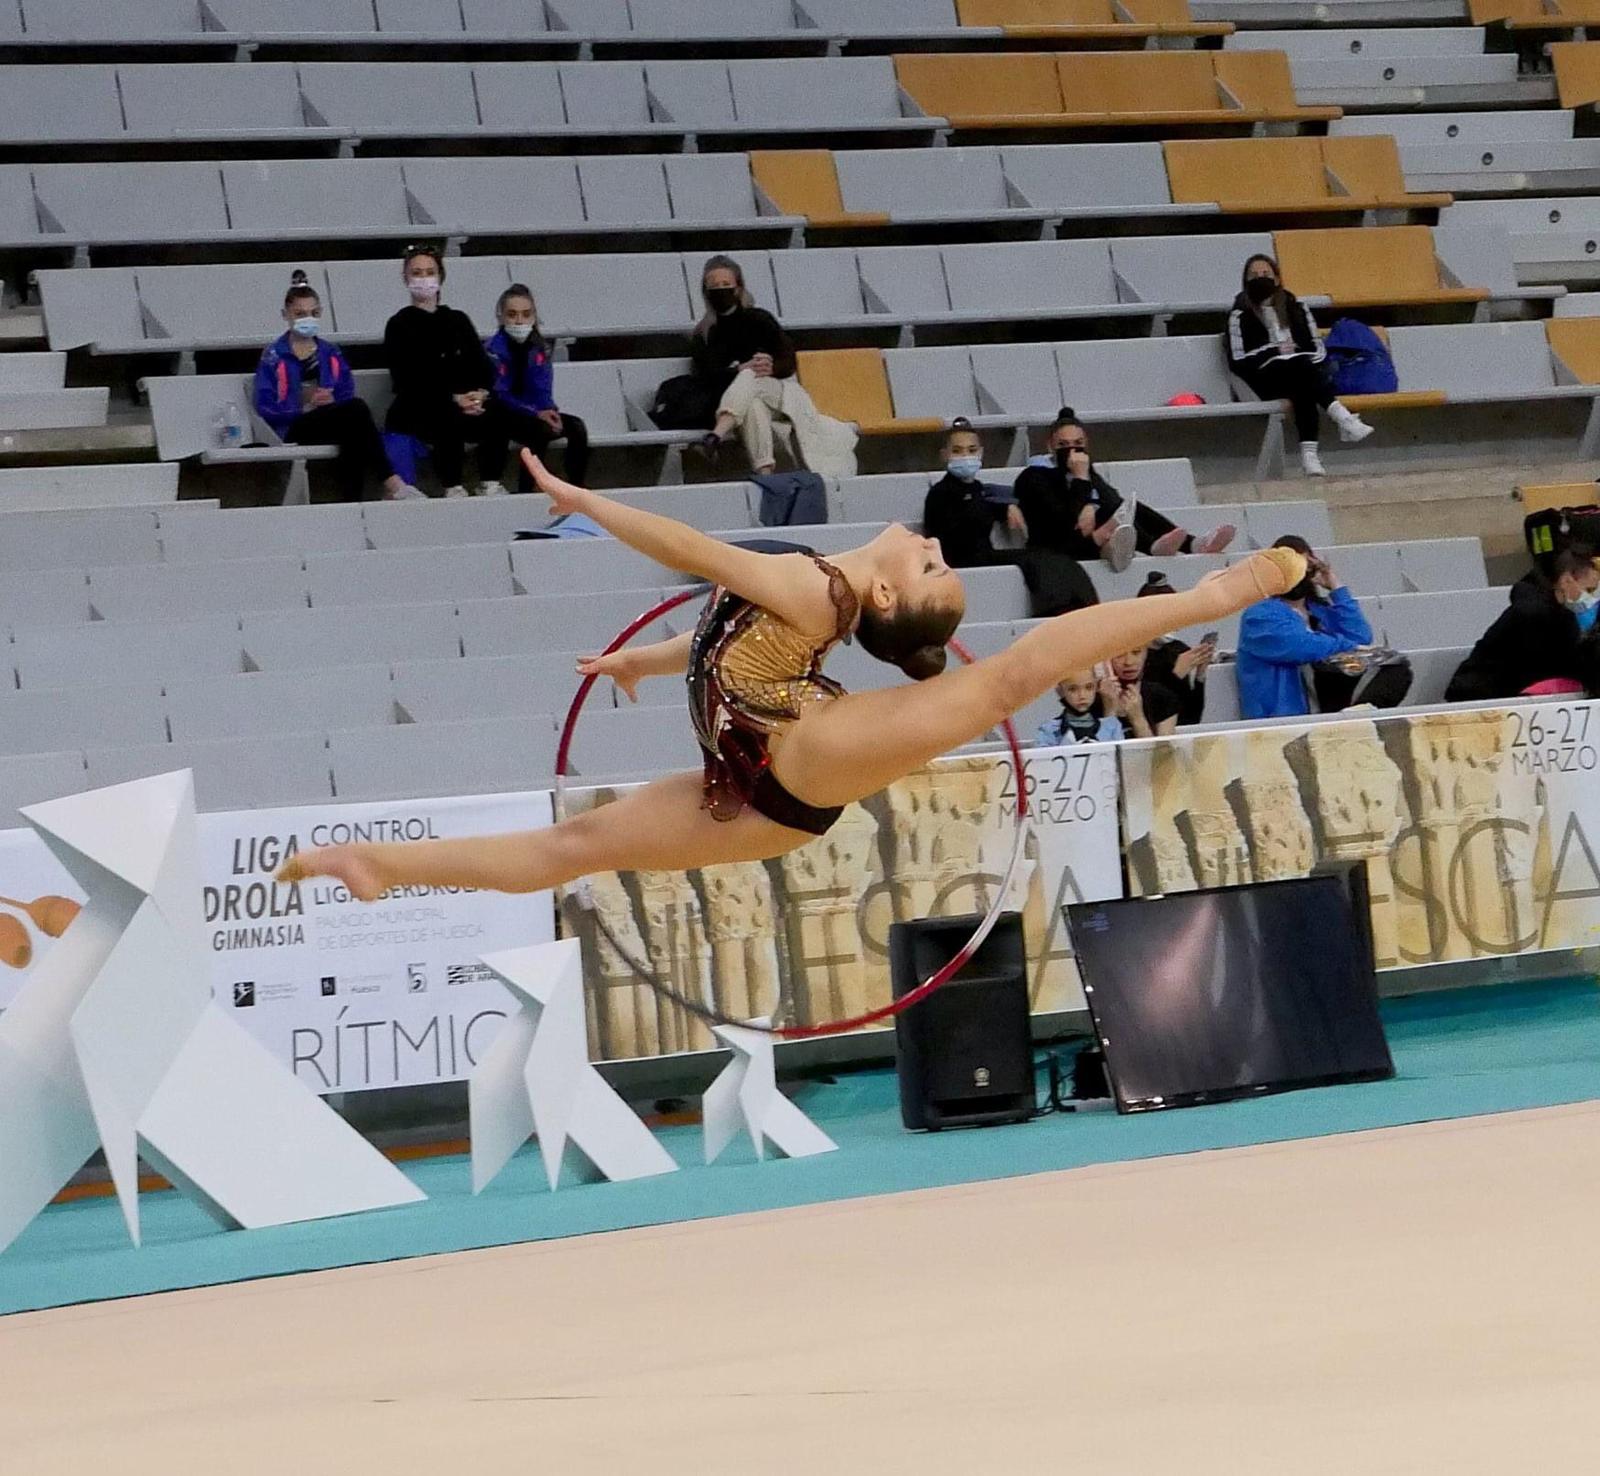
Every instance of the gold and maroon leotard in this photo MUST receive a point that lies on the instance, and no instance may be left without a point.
(750, 675)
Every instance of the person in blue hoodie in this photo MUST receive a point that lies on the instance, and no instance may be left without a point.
(1281, 638)
(305, 391)
(523, 396)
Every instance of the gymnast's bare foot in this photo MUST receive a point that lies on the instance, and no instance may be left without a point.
(1271, 571)
(354, 866)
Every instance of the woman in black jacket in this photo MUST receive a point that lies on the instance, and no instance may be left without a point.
(742, 353)
(1274, 347)
(442, 379)
(1537, 636)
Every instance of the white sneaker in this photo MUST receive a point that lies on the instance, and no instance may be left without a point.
(492, 489)
(1216, 540)
(1353, 428)
(457, 491)
(1310, 462)
(1118, 550)
(406, 493)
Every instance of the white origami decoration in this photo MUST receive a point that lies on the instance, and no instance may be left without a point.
(115, 1041)
(537, 1078)
(746, 1090)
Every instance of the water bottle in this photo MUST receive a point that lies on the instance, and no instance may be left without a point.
(219, 428)
(235, 426)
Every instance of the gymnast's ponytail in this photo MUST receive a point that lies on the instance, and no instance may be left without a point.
(913, 639)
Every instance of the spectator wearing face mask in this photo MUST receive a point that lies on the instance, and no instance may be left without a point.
(442, 379)
(1071, 509)
(1274, 347)
(305, 391)
(745, 357)
(963, 512)
(1176, 665)
(1281, 639)
(1536, 637)
(523, 399)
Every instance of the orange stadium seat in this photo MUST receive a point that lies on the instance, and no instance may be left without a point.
(1252, 175)
(965, 88)
(1550, 495)
(851, 384)
(1536, 15)
(806, 182)
(1577, 65)
(1368, 266)
(1576, 345)
(1088, 18)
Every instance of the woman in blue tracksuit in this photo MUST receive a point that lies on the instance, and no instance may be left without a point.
(523, 396)
(1279, 638)
(305, 391)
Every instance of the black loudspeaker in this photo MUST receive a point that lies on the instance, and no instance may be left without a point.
(964, 1055)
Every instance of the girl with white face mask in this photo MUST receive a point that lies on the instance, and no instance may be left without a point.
(523, 398)
(442, 380)
(305, 391)
(963, 511)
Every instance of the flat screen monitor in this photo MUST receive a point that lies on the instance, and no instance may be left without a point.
(1206, 996)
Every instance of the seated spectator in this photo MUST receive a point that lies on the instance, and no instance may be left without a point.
(1178, 666)
(442, 379)
(743, 354)
(1070, 508)
(1282, 638)
(1274, 347)
(307, 394)
(1147, 708)
(523, 398)
(963, 512)
(1536, 637)
(1083, 717)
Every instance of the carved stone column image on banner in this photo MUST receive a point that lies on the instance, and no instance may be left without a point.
(1155, 789)
(625, 1009)
(537, 1079)
(832, 973)
(115, 1042)
(745, 1094)
(675, 939)
(743, 936)
(1265, 800)
(1218, 854)
(936, 820)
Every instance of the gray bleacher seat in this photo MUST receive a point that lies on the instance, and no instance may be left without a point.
(407, 99)
(50, 721)
(1371, 41)
(55, 104)
(710, 506)
(621, 189)
(884, 17)
(261, 532)
(906, 282)
(187, 591)
(77, 539)
(59, 488)
(633, 742)
(579, 622)
(1578, 305)
(19, 212)
(924, 184)
(32, 371)
(819, 285)
(262, 702)
(1143, 373)
(1437, 619)
(1443, 563)
(215, 99)
(600, 293)
(133, 201)
(394, 525)
(503, 17)
(229, 774)
(1552, 239)
(527, 97)
(487, 687)
(1222, 693)
(1166, 482)
(1029, 278)
(1179, 269)
(40, 597)
(150, 21)
(53, 409)
(994, 594)
(689, 94)
(1182, 572)
(1494, 126)
(1368, 568)
(1265, 522)
(1091, 179)
(211, 304)
(349, 635)
(82, 305)
(111, 652)
(714, 189)
(500, 195)
(1479, 255)
(1473, 361)
(466, 572)
(364, 295)
(932, 382)
(281, 198)
(487, 756)
(686, 20)
(296, 17)
(1019, 381)
(818, 94)
(32, 778)
(1431, 671)
(894, 497)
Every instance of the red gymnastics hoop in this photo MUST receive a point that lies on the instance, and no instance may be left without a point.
(936, 980)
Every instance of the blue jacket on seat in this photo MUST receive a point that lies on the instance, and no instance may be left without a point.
(537, 390)
(278, 380)
(1274, 643)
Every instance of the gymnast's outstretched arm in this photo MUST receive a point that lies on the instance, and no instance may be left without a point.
(630, 665)
(789, 585)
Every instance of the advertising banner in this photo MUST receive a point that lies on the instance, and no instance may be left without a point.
(351, 995)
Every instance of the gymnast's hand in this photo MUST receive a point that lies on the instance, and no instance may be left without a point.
(565, 497)
(356, 866)
(621, 666)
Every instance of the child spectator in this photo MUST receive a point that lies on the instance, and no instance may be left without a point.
(744, 355)
(1083, 717)
(305, 391)
(963, 512)
(523, 398)
(442, 378)
(1274, 347)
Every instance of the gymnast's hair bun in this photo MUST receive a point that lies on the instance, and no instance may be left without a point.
(924, 662)
(298, 278)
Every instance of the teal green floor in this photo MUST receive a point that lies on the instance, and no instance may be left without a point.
(1457, 1054)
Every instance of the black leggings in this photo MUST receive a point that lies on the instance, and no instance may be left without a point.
(350, 427)
(445, 429)
(1298, 381)
(528, 430)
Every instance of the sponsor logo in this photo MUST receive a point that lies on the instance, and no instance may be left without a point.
(416, 978)
(330, 985)
(469, 973)
(244, 993)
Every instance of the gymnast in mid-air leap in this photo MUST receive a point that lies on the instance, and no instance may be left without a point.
(786, 749)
